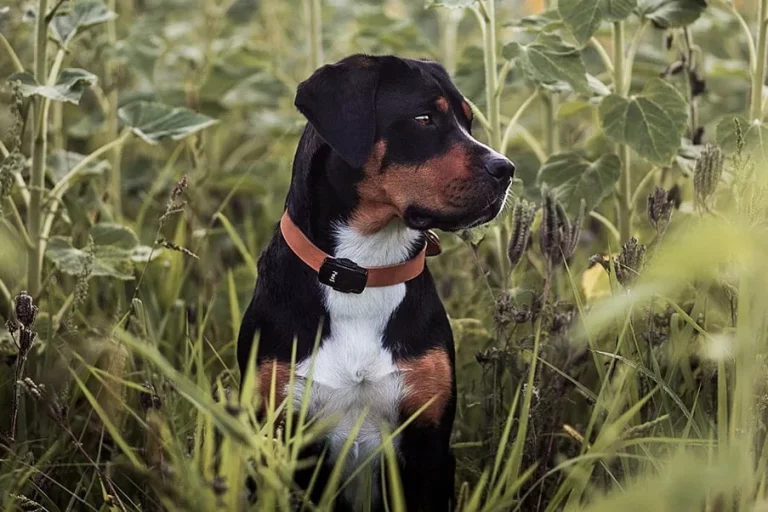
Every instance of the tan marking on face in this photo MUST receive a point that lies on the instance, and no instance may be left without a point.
(438, 184)
(442, 104)
(467, 111)
(282, 375)
(426, 378)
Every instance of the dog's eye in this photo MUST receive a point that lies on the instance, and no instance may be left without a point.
(424, 119)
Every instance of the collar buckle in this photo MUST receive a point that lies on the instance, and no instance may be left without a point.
(343, 275)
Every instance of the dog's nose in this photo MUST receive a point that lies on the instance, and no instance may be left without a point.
(500, 167)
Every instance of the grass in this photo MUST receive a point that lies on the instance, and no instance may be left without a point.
(598, 367)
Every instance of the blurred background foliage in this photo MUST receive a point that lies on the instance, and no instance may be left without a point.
(140, 303)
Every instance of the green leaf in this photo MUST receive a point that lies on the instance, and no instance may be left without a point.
(69, 86)
(574, 178)
(83, 14)
(114, 250)
(583, 17)
(115, 235)
(451, 4)
(617, 10)
(154, 121)
(545, 22)
(755, 135)
(671, 13)
(651, 123)
(61, 162)
(548, 60)
(597, 87)
(145, 253)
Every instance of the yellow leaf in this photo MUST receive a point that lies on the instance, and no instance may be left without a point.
(595, 283)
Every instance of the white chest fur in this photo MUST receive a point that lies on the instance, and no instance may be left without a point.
(352, 370)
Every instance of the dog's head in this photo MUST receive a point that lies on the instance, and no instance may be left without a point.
(401, 131)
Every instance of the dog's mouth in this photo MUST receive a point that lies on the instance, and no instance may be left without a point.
(423, 219)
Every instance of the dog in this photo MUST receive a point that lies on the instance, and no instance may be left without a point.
(387, 155)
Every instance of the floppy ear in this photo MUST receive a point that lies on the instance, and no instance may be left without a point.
(339, 100)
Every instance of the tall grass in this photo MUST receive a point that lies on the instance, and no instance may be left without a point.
(611, 346)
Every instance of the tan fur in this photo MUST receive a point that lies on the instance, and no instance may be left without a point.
(467, 111)
(426, 378)
(438, 184)
(282, 375)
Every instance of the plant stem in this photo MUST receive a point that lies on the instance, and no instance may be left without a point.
(69, 179)
(39, 136)
(630, 59)
(551, 130)
(608, 224)
(618, 59)
(620, 81)
(17, 65)
(19, 223)
(747, 33)
(110, 72)
(315, 34)
(515, 119)
(603, 54)
(487, 19)
(449, 30)
(758, 74)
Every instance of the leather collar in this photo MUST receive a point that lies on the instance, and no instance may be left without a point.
(346, 276)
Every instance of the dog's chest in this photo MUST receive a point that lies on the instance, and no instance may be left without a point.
(353, 372)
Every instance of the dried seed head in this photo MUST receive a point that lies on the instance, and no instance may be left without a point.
(26, 311)
(660, 207)
(740, 141)
(12, 164)
(557, 236)
(148, 399)
(709, 169)
(35, 391)
(549, 232)
(16, 103)
(575, 231)
(522, 219)
(175, 247)
(629, 264)
(179, 189)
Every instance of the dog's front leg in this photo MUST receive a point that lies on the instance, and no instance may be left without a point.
(428, 469)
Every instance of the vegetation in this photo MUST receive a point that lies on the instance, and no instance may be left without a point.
(611, 327)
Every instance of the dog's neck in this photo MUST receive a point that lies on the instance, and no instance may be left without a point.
(322, 211)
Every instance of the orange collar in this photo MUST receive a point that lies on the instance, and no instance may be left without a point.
(344, 275)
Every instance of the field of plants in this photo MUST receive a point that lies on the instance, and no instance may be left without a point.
(611, 325)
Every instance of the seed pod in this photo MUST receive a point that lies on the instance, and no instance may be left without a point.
(13, 163)
(522, 219)
(660, 207)
(557, 236)
(179, 188)
(564, 226)
(698, 84)
(575, 231)
(148, 398)
(709, 169)
(629, 263)
(26, 311)
(740, 141)
(549, 232)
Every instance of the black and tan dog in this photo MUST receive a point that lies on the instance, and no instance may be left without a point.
(386, 156)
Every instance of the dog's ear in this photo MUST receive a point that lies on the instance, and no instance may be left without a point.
(339, 100)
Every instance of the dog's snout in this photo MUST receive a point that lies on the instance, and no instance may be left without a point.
(500, 167)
